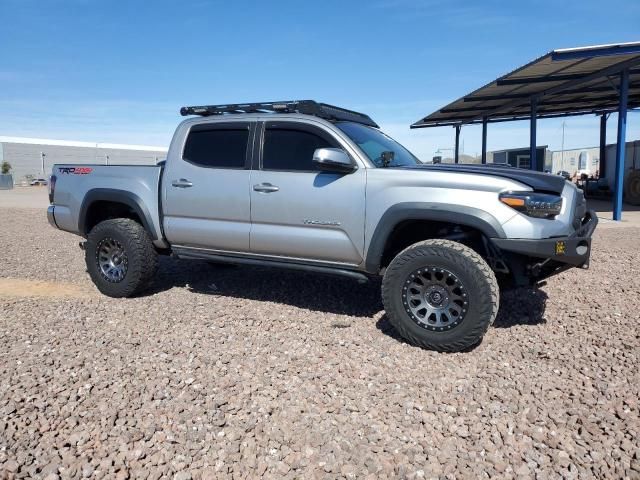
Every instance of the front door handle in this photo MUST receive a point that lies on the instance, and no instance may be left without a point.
(182, 183)
(265, 188)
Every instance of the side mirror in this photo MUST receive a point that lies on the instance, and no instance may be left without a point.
(333, 160)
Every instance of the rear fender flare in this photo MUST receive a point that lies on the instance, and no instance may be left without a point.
(117, 196)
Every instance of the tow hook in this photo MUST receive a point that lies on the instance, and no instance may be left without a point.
(82, 245)
(535, 269)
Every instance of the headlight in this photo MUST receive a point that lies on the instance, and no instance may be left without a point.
(539, 205)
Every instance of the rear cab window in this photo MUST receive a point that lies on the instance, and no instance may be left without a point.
(218, 145)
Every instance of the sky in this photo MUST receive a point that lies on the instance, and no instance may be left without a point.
(119, 71)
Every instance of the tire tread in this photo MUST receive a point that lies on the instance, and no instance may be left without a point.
(139, 276)
(456, 253)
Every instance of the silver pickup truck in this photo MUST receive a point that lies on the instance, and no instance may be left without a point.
(310, 186)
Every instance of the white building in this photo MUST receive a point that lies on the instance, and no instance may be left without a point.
(587, 160)
(583, 160)
(34, 157)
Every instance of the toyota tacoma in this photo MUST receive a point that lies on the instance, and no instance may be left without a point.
(314, 187)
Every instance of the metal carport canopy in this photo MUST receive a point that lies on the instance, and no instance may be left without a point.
(574, 81)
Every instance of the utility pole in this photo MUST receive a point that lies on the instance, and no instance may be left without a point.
(562, 161)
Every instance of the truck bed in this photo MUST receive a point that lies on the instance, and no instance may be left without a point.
(76, 185)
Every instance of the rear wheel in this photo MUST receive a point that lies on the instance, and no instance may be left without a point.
(440, 295)
(120, 257)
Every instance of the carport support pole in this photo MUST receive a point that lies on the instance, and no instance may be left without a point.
(457, 157)
(484, 140)
(533, 163)
(603, 146)
(621, 145)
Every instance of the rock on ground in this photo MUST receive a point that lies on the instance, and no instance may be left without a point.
(233, 372)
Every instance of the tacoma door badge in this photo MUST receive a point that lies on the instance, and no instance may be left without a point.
(322, 223)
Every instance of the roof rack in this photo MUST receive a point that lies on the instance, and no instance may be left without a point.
(307, 107)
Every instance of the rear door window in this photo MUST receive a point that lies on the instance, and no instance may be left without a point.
(218, 145)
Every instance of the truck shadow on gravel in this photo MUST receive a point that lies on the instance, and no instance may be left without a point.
(323, 293)
(522, 306)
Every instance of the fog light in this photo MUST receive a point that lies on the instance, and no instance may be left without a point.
(582, 248)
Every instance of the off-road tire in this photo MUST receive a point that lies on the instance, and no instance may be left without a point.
(141, 256)
(480, 286)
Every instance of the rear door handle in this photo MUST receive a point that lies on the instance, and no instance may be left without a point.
(182, 183)
(265, 188)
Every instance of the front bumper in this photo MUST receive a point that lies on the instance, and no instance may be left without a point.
(51, 217)
(570, 251)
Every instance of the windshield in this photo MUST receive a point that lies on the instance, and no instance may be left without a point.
(376, 145)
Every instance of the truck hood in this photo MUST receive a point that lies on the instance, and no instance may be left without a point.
(540, 182)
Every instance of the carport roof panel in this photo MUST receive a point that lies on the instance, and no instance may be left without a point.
(570, 81)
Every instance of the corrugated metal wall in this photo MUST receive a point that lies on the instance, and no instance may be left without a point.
(569, 161)
(26, 159)
(631, 157)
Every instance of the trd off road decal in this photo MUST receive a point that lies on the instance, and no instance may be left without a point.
(76, 170)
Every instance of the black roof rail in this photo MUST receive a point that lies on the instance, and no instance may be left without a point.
(307, 107)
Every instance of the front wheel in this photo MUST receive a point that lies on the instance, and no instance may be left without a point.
(120, 257)
(440, 295)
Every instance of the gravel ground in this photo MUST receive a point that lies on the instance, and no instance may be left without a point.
(246, 372)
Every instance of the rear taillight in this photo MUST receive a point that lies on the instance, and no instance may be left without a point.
(52, 187)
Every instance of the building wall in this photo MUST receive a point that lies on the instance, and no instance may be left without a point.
(572, 160)
(511, 157)
(26, 158)
(631, 157)
(569, 160)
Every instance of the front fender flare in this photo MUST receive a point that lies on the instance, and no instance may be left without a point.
(428, 211)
